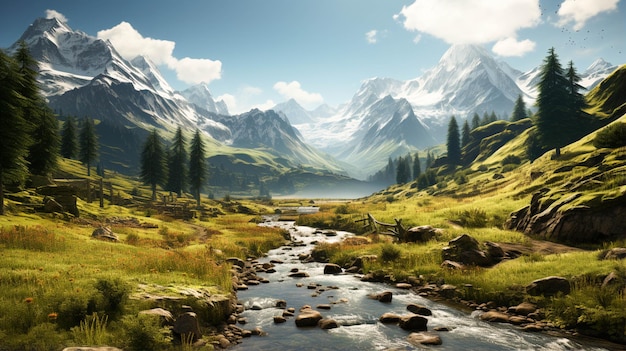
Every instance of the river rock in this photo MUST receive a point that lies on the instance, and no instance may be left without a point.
(279, 319)
(405, 286)
(524, 308)
(187, 324)
(299, 274)
(419, 309)
(388, 318)
(236, 261)
(308, 318)
(328, 323)
(385, 296)
(331, 268)
(413, 322)
(424, 338)
(549, 286)
(165, 316)
(495, 316)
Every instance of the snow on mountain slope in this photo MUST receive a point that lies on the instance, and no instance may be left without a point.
(201, 96)
(294, 112)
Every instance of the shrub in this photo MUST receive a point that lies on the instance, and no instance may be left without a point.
(114, 294)
(74, 309)
(389, 252)
(472, 218)
(143, 332)
(613, 136)
(511, 160)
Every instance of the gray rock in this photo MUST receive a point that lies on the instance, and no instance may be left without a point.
(549, 286)
(187, 324)
(331, 268)
(424, 338)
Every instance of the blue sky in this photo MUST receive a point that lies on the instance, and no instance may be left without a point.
(258, 53)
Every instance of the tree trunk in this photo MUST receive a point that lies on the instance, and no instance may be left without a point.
(557, 152)
(153, 192)
(1, 195)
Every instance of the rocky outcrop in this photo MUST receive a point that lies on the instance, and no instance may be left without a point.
(577, 212)
(465, 250)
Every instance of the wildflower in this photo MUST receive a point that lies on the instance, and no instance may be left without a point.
(29, 300)
(53, 316)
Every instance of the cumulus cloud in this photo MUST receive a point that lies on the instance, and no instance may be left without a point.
(579, 11)
(293, 90)
(50, 14)
(130, 44)
(470, 21)
(371, 36)
(513, 47)
(247, 99)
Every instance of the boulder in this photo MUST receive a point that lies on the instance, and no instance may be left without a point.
(328, 323)
(385, 296)
(50, 205)
(524, 308)
(308, 318)
(389, 317)
(299, 274)
(236, 261)
(549, 286)
(424, 338)
(452, 265)
(466, 250)
(165, 316)
(279, 319)
(419, 309)
(413, 322)
(495, 316)
(104, 233)
(187, 324)
(613, 280)
(494, 251)
(420, 234)
(331, 268)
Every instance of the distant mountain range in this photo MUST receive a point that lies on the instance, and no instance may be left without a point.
(84, 76)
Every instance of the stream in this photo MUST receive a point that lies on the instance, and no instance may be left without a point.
(357, 314)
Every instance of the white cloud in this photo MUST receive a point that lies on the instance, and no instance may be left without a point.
(247, 99)
(371, 36)
(196, 71)
(130, 44)
(579, 11)
(512, 47)
(293, 90)
(470, 21)
(50, 14)
(229, 100)
(417, 38)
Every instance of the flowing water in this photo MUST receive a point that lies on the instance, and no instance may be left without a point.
(358, 315)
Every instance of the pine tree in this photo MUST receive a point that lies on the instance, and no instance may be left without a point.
(475, 121)
(177, 164)
(417, 168)
(493, 117)
(69, 143)
(390, 173)
(519, 110)
(88, 141)
(576, 99)
(153, 166)
(402, 175)
(465, 134)
(14, 136)
(453, 143)
(197, 165)
(44, 149)
(430, 159)
(552, 105)
(44, 152)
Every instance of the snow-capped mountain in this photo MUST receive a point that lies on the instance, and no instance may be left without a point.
(201, 96)
(294, 112)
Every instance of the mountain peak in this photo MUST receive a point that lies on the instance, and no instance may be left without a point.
(598, 65)
(53, 26)
(463, 54)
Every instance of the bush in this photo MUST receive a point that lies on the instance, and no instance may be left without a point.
(114, 294)
(143, 332)
(511, 160)
(389, 252)
(613, 136)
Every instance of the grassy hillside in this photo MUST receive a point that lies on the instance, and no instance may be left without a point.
(60, 287)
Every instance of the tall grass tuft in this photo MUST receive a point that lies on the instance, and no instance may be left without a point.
(91, 331)
(31, 238)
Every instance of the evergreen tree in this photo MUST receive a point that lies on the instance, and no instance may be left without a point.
(44, 152)
(88, 141)
(552, 105)
(44, 149)
(402, 171)
(197, 165)
(576, 99)
(69, 143)
(14, 136)
(177, 164)
(430, 159)
(519, 110)
(475, 121)
(465, 134)
(493, 117)
(153, 166)
(453, 143)
(390, 173)
(417, 168)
